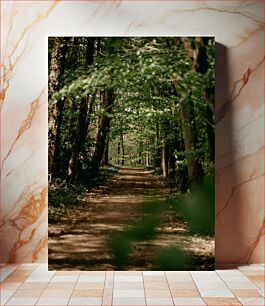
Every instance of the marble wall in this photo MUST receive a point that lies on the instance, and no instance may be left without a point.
(238, 28)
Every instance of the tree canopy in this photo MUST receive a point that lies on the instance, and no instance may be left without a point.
(146, 101)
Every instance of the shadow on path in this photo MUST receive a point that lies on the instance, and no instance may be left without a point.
(79, 240)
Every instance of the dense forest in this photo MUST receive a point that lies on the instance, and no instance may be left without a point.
(130, 103)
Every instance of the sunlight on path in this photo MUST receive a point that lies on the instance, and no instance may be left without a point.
(79, 240)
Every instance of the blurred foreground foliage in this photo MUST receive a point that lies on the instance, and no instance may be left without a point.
(196, 209)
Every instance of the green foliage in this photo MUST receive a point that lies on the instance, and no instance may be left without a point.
(141, 71)
(196, 209)
(172, 259)
(62, 194)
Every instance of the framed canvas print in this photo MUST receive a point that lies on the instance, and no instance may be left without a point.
(131, 153)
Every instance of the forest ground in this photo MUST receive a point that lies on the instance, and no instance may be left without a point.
(79, 240)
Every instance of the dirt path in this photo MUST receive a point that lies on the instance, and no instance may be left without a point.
(80, 240)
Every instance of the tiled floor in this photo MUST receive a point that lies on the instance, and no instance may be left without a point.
(33, 284)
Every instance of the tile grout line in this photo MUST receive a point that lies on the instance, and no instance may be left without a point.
(236, 268)
(169, 288)
(145, 298)
(73, 288)
(15, 290)
(198, 287)
(102, 297)
(112, 290)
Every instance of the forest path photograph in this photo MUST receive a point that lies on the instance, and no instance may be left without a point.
(82, 238)
(131, 134)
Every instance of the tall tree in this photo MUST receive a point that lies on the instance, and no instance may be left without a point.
(104, 128)
(86, 104)
(57, 66)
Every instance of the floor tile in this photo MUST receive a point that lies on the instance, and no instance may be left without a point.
(182, 286)
(60, 286)
(177, 273)
(128, 293)
(129, 273)
(87, 293)
(29, 266)
(108, 284)
(22, 301)
(157, 293)
(261, 292)
(156, 285)
(179, 279)
(188, 301)
(232, 272)
(107, 298)
(21, 272)
(159, 301)
(92, 279)
(64, 279)
(251, 267)
(62, 294)
(9, 285)
(85, 301)
(235, 279)
(16, 278)
(215, 301)
(90, 286)
(3, 300)
(203, 273)
(154, 278)
(245, 285)
(98, 273)
(182, 293)
(256, 278)
(216, 293)
(69, 273)
(6, 293)
(28, 293)
(152, 273)
(39, 279)
(53, 301)
(253, 272)
(34, 286)
(211, 285)
(246, 293)
(251, 301)
(5, 272)
(128, 301)
(30, 284)
(260, 285)
(129, 286)
(128, 279)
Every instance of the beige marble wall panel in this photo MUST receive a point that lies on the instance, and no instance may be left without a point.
(238, 27)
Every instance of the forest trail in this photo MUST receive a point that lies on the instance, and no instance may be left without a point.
(79, 241)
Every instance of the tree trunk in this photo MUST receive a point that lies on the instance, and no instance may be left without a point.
(140, 152)
(198, 57)
(81, 130)
(122, 150)
(108, 99)
(119, 152)
(105, 160)
(55, 115)
(186, 113)
(157, 155)
(171, 161)
(164, 164)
